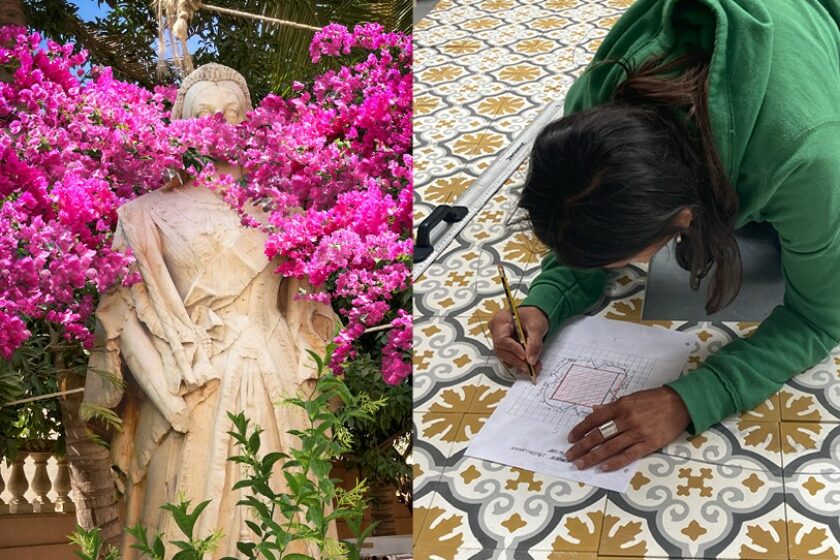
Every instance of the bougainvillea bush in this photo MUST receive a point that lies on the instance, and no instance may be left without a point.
(331, 165)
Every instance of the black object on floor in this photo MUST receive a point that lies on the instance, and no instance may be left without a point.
(669, 296)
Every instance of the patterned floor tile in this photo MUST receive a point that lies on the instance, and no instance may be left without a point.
(634, 558)
(449, 356)
(638, 558)
(814, 395)
(811, 448)
(447, 287)
(483, 71)
(681, 508)
(747, 442)
(485, 505)
(434, 434)
(813, 524)
(422, 552)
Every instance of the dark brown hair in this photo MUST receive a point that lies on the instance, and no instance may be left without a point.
(608, 182)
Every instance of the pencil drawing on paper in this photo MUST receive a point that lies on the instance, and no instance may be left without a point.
(593, 361)
(581, 377)
(584, 384)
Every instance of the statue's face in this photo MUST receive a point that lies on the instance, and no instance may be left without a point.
(216, 98)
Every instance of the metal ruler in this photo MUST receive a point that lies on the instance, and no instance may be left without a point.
(489, 182)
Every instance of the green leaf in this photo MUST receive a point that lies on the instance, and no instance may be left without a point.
(183, 545)
(316, 516)
(260, 507)
(185, 520)
(245, 483)
(254, 443)
(271, 458)
(318, 361)
(90, 411)
(263, 489)
(254, 527)
(198, 509)
(321, 468)
(246, 548)
(263, 548)
(293, 480)
(158, 548)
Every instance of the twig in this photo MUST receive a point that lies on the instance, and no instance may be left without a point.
(43, 397)
(379, 328)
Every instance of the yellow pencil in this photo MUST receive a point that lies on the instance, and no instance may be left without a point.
(520, 332)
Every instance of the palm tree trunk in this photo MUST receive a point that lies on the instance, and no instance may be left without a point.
(11, 13)
(94, 489)
(95, 493)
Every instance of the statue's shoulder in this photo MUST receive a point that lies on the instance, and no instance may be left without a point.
(143, 204)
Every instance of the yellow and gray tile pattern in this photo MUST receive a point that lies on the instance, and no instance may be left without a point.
(762, 485)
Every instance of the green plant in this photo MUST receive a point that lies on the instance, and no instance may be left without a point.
(191, 549)
(91, 545)
(373, 451)
(35, 369)
(303, 513)
(308, 498)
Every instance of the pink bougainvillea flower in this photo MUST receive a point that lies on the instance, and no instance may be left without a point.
(331, 165)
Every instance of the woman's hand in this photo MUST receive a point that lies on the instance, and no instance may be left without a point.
(510, 350)
(646, 421)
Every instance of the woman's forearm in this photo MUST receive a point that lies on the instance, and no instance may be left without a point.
(561, 292)
(747, 371)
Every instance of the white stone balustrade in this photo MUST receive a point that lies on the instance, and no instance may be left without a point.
(37, 482)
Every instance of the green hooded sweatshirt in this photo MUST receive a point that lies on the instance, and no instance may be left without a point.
(774, 106)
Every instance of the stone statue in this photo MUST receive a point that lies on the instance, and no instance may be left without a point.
(210, 329)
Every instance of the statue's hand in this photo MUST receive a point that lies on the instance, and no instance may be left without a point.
(180, 419)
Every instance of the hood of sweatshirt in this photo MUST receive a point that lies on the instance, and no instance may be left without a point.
(737, 34)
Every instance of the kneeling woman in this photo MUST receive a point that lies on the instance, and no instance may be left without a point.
(695, 118)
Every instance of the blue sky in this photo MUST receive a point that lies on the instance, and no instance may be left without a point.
(90, 9)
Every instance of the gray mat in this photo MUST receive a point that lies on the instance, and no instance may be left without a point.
(669, 296)
(422, 8)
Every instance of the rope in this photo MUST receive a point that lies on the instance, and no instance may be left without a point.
(43, 397)
(174, 16)
(230, 12)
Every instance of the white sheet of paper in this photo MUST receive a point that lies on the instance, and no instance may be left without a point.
(590, 361)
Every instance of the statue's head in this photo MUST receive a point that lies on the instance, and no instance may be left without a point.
(213, 88)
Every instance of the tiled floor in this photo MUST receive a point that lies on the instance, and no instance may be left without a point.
(762, 485)
(483, 70)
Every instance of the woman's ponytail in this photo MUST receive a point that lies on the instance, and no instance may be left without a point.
(678, 89)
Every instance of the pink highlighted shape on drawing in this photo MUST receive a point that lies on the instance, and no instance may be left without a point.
(587, 386)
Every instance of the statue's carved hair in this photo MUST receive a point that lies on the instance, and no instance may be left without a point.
(211, 72)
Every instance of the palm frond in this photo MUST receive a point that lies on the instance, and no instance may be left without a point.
(59, 20)
(288, 47)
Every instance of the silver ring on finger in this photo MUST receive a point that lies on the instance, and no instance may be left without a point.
(608, 430)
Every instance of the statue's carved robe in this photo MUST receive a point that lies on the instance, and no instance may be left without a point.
(210, 329)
